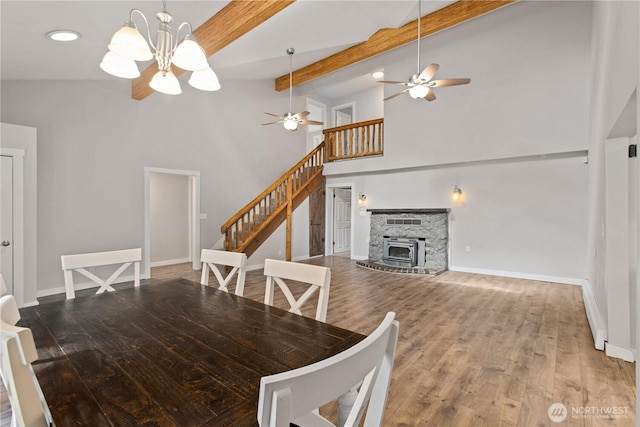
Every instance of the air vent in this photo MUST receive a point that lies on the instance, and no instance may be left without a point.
(403, 221)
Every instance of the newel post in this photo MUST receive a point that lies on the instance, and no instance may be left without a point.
(289, 214)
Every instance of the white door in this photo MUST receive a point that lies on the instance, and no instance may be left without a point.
(6, 221)
(341, 220)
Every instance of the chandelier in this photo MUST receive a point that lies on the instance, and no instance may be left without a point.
(128, 46)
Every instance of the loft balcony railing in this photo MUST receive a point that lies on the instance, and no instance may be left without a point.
(354, 140)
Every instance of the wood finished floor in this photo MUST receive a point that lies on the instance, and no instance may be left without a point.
(474, 350)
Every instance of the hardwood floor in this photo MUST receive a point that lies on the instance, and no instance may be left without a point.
(476, 350)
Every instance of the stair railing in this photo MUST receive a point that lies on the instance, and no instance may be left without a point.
(258, 214)
(250, 226)
(355, 140)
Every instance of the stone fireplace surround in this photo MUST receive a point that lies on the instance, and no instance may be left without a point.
(432, 225)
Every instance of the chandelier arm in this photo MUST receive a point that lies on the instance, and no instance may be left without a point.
(190, 33)
(149, 39)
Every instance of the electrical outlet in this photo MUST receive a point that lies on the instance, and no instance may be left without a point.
(467, 249)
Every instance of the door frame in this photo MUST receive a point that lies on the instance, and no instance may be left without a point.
(194, 216)
(329, 212)
(337, 108)
(17, 156)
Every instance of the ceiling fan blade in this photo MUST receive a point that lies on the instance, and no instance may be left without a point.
(430, 96)
(397, 94)
(428, 72)
(301, 114)
(392, 82)
(274, 115)
(448, 82)
(273, 123)
(310, 122)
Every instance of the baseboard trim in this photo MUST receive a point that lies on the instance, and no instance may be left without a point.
(596, 322)
(515, 275)
(619, 352)
(169, 262)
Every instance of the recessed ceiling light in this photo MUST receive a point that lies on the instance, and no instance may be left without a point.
(377, 74)
(63, 35)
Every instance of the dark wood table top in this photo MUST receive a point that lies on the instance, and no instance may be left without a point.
(174, 353)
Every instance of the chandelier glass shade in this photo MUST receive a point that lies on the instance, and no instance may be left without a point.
(128, 46)
(204, 80)
(119, 66)
(166, 83)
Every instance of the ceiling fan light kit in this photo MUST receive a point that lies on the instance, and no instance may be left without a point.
(420, 84)
(128, 46)
(289, 120)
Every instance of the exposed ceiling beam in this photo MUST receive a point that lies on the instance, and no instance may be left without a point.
(230, 23)
(391, 38)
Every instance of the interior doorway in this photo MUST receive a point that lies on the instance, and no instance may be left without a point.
(170, 222)
(339, 219)
(6, 221)
(317, 111)
(192, 212)
(343, 114)
(12, 224)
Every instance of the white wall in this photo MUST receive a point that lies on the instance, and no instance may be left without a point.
(528, 93)
(522, 218)
(615, 77)
(369, 105)
(514, 140)
(169, 217)
(95, 141)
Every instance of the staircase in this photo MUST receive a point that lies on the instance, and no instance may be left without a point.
(254, 223)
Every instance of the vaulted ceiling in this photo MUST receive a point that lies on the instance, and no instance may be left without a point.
(244, 39)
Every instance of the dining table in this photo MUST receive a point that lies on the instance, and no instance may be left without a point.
(175, 353)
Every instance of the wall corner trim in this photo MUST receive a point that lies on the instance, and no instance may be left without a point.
(596, 322)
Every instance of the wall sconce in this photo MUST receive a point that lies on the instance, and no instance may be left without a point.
(457, 193)
(362, 199)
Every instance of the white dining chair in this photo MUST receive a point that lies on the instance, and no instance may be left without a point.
(319, 279)
(3, 286)
(18, 351)
(82, 262)
(293, 396)
(212, 261)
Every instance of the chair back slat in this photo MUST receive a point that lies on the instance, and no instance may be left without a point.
(80, 263)
(318, 277)
(213, 259)
(293, 396)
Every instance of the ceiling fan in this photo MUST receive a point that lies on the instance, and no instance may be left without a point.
(291, 120)
(420, 84)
